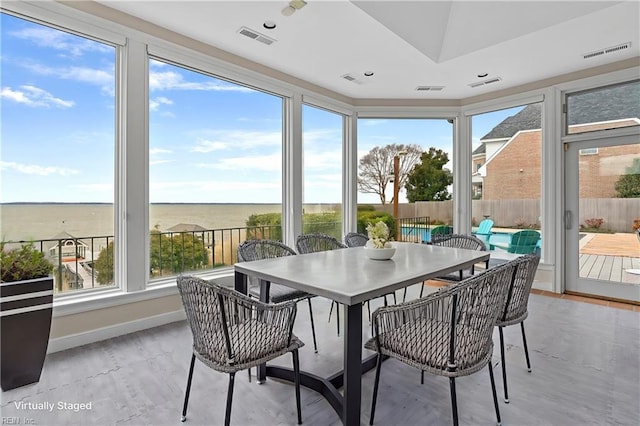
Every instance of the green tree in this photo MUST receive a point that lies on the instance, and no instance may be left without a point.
(628, 185)
(104, 265)
(428, 181)
(375, 170)
(169, 255)
(182, 251)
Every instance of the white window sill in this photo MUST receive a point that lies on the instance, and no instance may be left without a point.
(101, 299)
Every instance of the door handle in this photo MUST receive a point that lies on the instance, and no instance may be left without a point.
(568, 219)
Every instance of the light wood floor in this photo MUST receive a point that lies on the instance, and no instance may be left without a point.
(585, 359)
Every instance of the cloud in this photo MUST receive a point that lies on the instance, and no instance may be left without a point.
(32, 169)
(237, 139)
(171, 80)
(269, 163)
(99, 77)
(158, 162)
(59, 40)
(153, 151)
(155, 103)
(214, 185)
(34, 97)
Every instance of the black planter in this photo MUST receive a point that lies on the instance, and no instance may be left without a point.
(25, 322)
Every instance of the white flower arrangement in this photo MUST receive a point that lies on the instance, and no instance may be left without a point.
(378, 234)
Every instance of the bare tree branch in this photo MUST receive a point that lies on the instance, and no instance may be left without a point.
(376, 168)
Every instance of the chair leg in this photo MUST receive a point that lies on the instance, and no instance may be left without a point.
(504, 366)
(375, 388)
(395, 301)
(454, 401)
(422, 377)
(313, 327)
(526, 350)
(404, 295)
(337, 315)
(495, 396)
(186, 394)
(421, 289)
(296, 379)
(227, 415)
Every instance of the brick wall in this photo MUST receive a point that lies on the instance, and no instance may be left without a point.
(515, 173)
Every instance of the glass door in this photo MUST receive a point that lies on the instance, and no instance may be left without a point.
(603, 209)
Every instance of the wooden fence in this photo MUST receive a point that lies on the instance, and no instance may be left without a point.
(618, 213)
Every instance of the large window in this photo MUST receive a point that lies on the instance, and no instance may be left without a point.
(415, 158)
(322, 155)
(215, 168)
(603, 108)
(507, 177)
(58, 145)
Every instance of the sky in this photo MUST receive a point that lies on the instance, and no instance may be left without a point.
(210, 141)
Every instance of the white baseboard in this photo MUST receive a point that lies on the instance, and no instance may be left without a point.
(79, 339)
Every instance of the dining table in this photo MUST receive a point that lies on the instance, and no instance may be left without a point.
(348, 276)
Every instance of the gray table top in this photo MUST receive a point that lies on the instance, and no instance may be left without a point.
(348, 276)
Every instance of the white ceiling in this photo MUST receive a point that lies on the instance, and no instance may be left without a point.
(409, 43)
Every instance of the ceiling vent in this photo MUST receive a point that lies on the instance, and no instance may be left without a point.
(607, 50)
(351, 78)
(255, 35)
(485, 82)
(429, 88)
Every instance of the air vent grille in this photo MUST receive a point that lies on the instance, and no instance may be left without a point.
(248, 32)
(429, 88)
(607, 50)
(485, 82)
(351, 78)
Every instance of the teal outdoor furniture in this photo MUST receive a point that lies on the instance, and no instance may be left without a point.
(438, 230)
(521, 242)
(484, 231)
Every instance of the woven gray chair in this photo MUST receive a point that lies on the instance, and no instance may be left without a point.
(355, 239)
(315, 242)
(462, 241)
(446, 333)
(268, 249)
(515, 308)
(233, 332)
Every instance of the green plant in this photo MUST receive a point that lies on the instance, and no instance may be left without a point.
(24, 263)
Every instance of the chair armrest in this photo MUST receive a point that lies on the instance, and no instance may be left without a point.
(240, 308)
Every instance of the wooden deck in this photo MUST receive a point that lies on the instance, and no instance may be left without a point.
(610, 257)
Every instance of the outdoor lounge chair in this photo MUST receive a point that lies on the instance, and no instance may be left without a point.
(484, 231)
(521, 242)
(233, 332)
(439, 230)
(447, 333)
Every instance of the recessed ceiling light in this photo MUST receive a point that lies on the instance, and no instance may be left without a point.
(482, 75)
(368, 73)
(269, 25)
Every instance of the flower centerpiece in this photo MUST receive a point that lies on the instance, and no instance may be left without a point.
(378, 247)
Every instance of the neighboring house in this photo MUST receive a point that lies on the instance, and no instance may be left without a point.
(186, 227)
(68, 248)
(508, 163)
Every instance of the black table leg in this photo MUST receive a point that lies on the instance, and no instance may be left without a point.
(352, 365)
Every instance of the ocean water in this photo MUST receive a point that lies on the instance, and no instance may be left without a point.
(44, 221)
